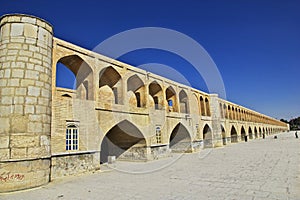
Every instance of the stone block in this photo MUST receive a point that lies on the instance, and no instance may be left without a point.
(41, 109)
(7, 91)
(3, 82)
(12, 52)
(17, 29)
(34, 91)
(35, 127)
(5, 30)
(16, 153)
(35, 61)
(25, 53)
(22, 58)
(28, 20)
(17, 73)
(4, 124)
(32, 74)
(18, 100)
(29, 109)
(6, 100)
(30, 31)
(14, 19)
(14, 46)
(46, 93)
(5, 110)
(21, 91)
(37, 56)
(4, 142)
(37, 152)
(18, 109)
(7, 73)
(19, 123)
(17, 40)
(27, 82)
(22, 141)
(4, 154)
(31, 100)
(18, 65)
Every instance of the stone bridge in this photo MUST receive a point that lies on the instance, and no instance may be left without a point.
(116, 109)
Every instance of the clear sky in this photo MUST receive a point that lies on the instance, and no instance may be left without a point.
(254, 43)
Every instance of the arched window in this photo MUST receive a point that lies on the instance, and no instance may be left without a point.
(72, 137)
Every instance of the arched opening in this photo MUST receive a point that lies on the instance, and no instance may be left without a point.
(171, 99)
(232, 113)
(136, 85)
(180, 140)
(202, 107)
(250, 133)
(259, 131)
(224, 139)
(156, 93)
(74, 73)
(255, 132)
(229, 112)
(207, 136)
(183, 101)
(233, 135)
(125, 142)
(243, 134)
(207, 107)
(110, 78)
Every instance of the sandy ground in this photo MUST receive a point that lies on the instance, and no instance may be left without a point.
(259, 169)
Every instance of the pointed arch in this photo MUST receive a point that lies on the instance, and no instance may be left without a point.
(255, 132)
(233, 135)
(111, 78)
(207, 136)
(184, 102)
(207, 107)
(156, 92)
(136, 85)
(243, 134)
(250, 133)
(259, 132)
(122, 140)
(229, 112)
(82, 74)
(171, 99)
(180, 139)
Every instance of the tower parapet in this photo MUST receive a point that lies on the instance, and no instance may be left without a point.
(25, 105)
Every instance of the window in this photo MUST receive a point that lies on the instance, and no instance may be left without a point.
(158, 135)
(72, 137)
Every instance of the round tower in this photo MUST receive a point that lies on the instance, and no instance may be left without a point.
(25, 101)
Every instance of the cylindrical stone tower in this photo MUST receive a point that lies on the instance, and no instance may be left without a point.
(25, 101)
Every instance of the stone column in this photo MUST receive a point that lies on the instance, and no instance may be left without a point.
(216, 120)
(25, 105)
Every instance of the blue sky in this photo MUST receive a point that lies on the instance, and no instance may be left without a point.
(255, 44)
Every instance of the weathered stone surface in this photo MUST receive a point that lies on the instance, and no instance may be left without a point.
(21, 141)
(4, 142)
(30, 31)
(17, 29)
(19, 124)
(4, 125)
